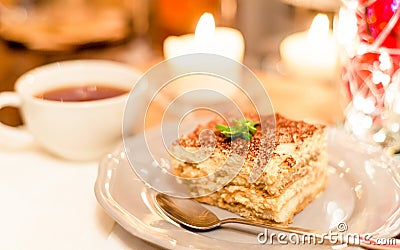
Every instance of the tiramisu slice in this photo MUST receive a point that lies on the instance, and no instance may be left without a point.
(293, 174)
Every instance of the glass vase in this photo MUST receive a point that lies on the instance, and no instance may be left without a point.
(368, 34)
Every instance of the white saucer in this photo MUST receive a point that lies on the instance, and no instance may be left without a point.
(363, 191)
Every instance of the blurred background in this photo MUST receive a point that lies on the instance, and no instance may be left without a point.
(37, 32)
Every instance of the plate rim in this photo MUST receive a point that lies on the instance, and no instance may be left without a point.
(113, 208)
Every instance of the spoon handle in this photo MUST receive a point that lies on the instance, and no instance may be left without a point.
(348, 239)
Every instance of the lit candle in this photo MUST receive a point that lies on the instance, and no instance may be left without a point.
(207, 38)
(223, 41)
(311, 53)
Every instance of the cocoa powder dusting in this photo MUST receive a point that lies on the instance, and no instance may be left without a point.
(263, 141)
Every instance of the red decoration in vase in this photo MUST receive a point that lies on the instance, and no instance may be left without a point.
(358, 76)
(374, 16)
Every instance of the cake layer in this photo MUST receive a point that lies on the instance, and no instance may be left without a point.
(254, 203)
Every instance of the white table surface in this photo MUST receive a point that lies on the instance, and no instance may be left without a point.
(49, 203)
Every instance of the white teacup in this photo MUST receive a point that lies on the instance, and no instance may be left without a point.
(73, 130)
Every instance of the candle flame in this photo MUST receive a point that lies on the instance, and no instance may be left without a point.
(319, 29)
(205, 28)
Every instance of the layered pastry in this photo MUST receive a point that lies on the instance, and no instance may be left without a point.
(287, 157)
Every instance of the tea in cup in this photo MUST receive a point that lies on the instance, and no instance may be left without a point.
(73, 109)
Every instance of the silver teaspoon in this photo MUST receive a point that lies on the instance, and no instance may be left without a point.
(191, 214)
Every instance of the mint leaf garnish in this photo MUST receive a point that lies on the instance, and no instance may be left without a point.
(243, 128)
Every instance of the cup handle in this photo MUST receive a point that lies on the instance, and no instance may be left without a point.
(13, 137)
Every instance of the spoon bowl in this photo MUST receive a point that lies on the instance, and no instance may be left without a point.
(198, 218)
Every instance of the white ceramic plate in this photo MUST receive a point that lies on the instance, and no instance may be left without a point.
(363, 191)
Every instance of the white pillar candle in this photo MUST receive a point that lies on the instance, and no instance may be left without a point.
(207, 38)
(312, 53)
(223, 41)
